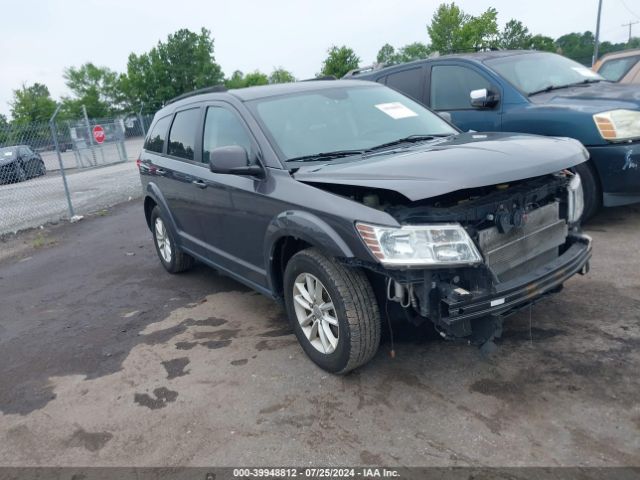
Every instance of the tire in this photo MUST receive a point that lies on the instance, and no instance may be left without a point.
(42, 170)
(171, 257)
(20, 174)
(354, 307)
(591, 189)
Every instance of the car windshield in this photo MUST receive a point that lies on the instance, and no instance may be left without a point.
(616, 68)
(535, 72)
(344, 120)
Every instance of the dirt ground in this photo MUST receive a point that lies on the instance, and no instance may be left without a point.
(105, 359)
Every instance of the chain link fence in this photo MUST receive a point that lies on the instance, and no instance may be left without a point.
(53, 171)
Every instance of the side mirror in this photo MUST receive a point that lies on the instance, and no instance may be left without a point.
(233, 160)
(484, 98)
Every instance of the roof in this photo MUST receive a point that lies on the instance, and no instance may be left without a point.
(622, 53)
(264, 91)
(473, 56)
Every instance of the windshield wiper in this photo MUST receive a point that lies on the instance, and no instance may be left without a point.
(326, 155)
(568, 85)
(409, 139)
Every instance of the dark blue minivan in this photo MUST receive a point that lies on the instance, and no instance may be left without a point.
(535, 92)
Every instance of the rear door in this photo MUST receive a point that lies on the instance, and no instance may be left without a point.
(450, 86)
(170, 156)
(409, 81)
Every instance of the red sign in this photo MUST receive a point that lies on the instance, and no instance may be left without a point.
(98, 133)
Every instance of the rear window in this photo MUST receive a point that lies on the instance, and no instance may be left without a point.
(155, 140)
(182, 137)
(408, 82)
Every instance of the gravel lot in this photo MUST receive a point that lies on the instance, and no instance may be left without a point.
(105, 359)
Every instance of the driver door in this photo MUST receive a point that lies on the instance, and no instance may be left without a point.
(450, 88)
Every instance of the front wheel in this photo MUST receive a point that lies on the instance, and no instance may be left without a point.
(171, 257)
(333, 311)
(20, 174)
(591, 189)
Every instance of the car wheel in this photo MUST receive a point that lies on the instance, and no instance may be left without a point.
(591, 189)
(333, 311)
(171, 257)
(20, 174)
(42, 169)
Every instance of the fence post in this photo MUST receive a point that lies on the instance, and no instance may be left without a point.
(90, 134)
(54, 136)
(141, 120)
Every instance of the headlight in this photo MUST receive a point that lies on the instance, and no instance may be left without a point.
(575, 201)
(618, 124)
(446, 244)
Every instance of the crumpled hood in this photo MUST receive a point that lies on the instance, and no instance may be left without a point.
(592, 98)
(468, 160)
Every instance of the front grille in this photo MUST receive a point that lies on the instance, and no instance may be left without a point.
(539, 238)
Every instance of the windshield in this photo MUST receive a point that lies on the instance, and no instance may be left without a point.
(344, 119)
(616, 68)
(534, 72)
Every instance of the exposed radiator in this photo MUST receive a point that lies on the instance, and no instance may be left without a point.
(543, 233)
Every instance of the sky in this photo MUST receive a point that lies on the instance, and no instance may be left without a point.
(45, 37)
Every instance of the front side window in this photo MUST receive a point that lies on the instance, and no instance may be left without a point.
(451, 86)
(343, 118)
(182, 136)
(616, 68)
(223, 128)
(535, 72)
(155, 140)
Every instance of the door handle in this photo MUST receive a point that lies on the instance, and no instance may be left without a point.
(158, 171)
(199, 183)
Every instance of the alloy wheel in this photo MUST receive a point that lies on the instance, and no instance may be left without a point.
(162, 240)
(316, 313)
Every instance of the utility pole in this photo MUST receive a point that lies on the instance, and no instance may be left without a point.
(630, 24)
(595, 48)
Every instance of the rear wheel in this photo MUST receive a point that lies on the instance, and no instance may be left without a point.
(591, 189)
(171, 257)
(333, 311)
(42, 169)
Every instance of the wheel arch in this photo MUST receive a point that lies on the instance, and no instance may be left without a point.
(293, 231)
(153, 197)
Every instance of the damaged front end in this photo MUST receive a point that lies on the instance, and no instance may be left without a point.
(515, 244)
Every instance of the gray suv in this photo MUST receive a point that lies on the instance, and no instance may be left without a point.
(353, 205)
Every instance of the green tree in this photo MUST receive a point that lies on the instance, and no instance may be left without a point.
(255, 78)
(236, 80)
(339, 61)
(183, 63)
(32, 104)
(280, 75)
(542, 43)
(387, 55)
(452, 30)
(577, 46)
(515, 36)
(413, 51)
(97, 88)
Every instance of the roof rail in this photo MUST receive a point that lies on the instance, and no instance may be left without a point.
(213, 89)
(368, 68)
(323, 77)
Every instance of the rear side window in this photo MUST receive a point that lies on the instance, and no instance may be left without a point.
(182, 137)
(155, 140)
(451, 86)
(223, 128)
(408, 82)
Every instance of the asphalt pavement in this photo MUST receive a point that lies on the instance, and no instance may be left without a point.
(106, 359)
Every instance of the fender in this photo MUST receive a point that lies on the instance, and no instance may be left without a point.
(152, 191)
(305, 226)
